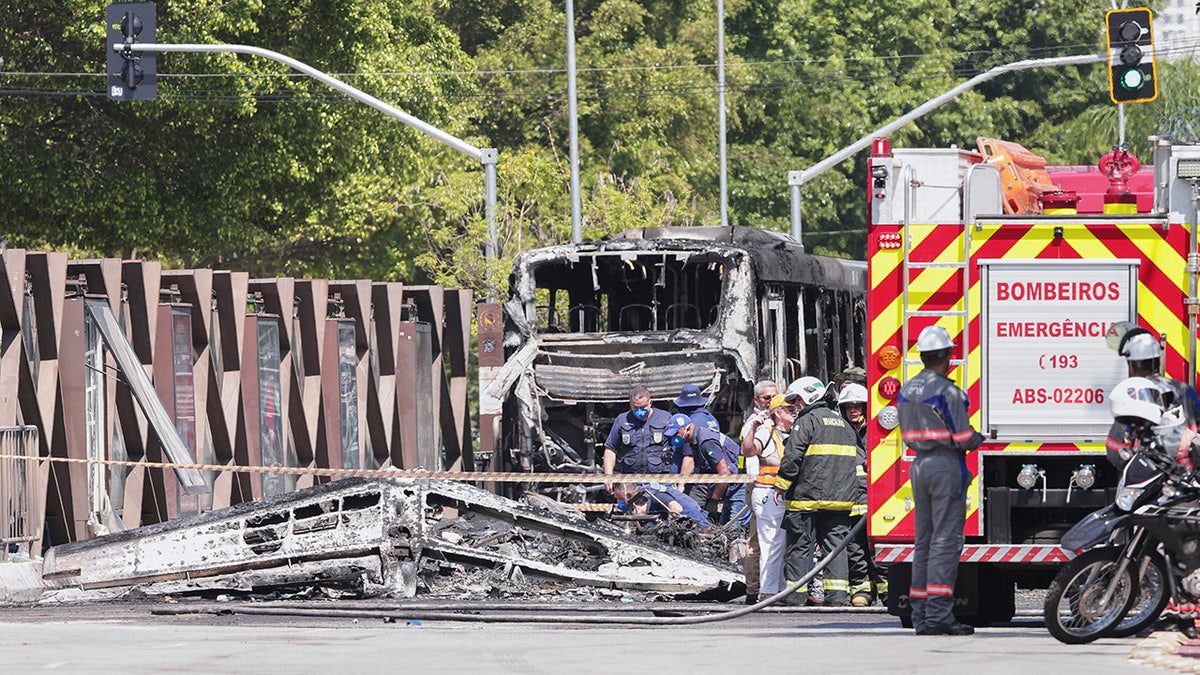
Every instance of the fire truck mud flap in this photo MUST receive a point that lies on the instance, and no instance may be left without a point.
(378, 537)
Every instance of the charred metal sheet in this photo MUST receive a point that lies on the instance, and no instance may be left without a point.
(143, 390)
(247, 545)
(374, 535)
(576, 383)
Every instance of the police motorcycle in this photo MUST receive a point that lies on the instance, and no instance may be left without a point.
(1143, 550)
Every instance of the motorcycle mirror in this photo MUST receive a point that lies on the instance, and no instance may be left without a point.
(1117, 331)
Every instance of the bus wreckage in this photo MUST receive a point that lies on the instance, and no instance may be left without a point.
(380, 537)
(716, 307)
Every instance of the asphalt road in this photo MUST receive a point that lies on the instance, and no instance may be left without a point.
(129, 638)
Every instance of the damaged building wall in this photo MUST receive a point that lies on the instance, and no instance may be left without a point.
(304, 368)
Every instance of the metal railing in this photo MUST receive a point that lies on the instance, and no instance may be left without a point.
(20, 513)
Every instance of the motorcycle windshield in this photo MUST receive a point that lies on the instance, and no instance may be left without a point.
(1139, 472)
(1094, 529)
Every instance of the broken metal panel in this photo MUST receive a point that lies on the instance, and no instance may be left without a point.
(323, 523)
(385, 530)
(139, 383)
(582, 383)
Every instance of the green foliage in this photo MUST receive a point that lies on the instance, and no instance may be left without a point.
(241, 164)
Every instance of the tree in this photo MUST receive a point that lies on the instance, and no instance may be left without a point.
(250, 168)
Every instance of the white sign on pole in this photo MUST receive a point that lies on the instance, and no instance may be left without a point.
(1047, 368)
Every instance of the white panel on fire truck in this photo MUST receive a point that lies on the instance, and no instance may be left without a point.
(937, 175)
(984, 194)
(1047, 369)
(1184, 164)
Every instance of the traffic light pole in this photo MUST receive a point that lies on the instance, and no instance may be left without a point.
(796, 179)
(485, 156)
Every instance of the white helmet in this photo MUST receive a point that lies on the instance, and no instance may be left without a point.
(852, 393)
(1135, 400)
(807, 389)
(1142, 347)
(933, 338)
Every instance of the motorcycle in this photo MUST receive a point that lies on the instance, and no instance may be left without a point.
(1139, 552)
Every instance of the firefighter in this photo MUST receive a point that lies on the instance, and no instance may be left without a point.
(867, 581)
(934, 423)
(764, 443)
(637, 443)
(764, 391)
(709, 452)
(1144, 356)
(816, 485)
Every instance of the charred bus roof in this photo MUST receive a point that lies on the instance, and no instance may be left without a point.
(774, 256)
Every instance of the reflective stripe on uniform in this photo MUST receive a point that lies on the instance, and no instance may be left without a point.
(835, 585)
(858, 510)
(830, 449)
(917, 593)
(816, 505)
(863, 587)
(937, 589)
(783, 483)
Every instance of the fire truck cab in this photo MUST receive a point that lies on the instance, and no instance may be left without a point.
(1027, 267)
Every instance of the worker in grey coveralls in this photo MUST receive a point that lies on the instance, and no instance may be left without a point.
(934, 423)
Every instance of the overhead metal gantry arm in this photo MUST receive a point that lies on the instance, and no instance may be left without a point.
(485, 156)
(796, 179)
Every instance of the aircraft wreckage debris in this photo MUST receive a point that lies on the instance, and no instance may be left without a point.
(400, 538)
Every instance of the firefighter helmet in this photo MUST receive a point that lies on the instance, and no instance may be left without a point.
(1141, 346)
(1135, 400)
(933, 338)
(852, 393)
(808, 389)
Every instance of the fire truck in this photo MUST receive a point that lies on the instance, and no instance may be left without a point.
(1027, 266)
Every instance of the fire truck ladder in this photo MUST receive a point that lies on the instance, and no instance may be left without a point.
(909, 183)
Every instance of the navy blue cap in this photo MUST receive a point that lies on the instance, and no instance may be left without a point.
(677, 422)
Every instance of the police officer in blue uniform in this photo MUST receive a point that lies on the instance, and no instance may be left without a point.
(706, 451)
(934, 422)
(692, 402)
(636, 443)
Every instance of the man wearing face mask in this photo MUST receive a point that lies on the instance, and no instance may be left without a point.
(706, 451)
(636, 443)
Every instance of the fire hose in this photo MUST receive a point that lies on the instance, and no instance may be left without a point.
(402, 614)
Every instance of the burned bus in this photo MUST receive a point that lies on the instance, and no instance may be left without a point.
(718, 307)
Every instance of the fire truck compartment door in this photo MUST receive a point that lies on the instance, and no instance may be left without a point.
(1047, 370)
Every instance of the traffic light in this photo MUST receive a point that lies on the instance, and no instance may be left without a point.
(131, 73)
(1131, 76)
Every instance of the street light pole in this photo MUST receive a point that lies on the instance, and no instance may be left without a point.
(573, 127)
(724, 183)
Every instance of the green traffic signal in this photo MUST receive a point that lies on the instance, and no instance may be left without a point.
(1131, 72)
